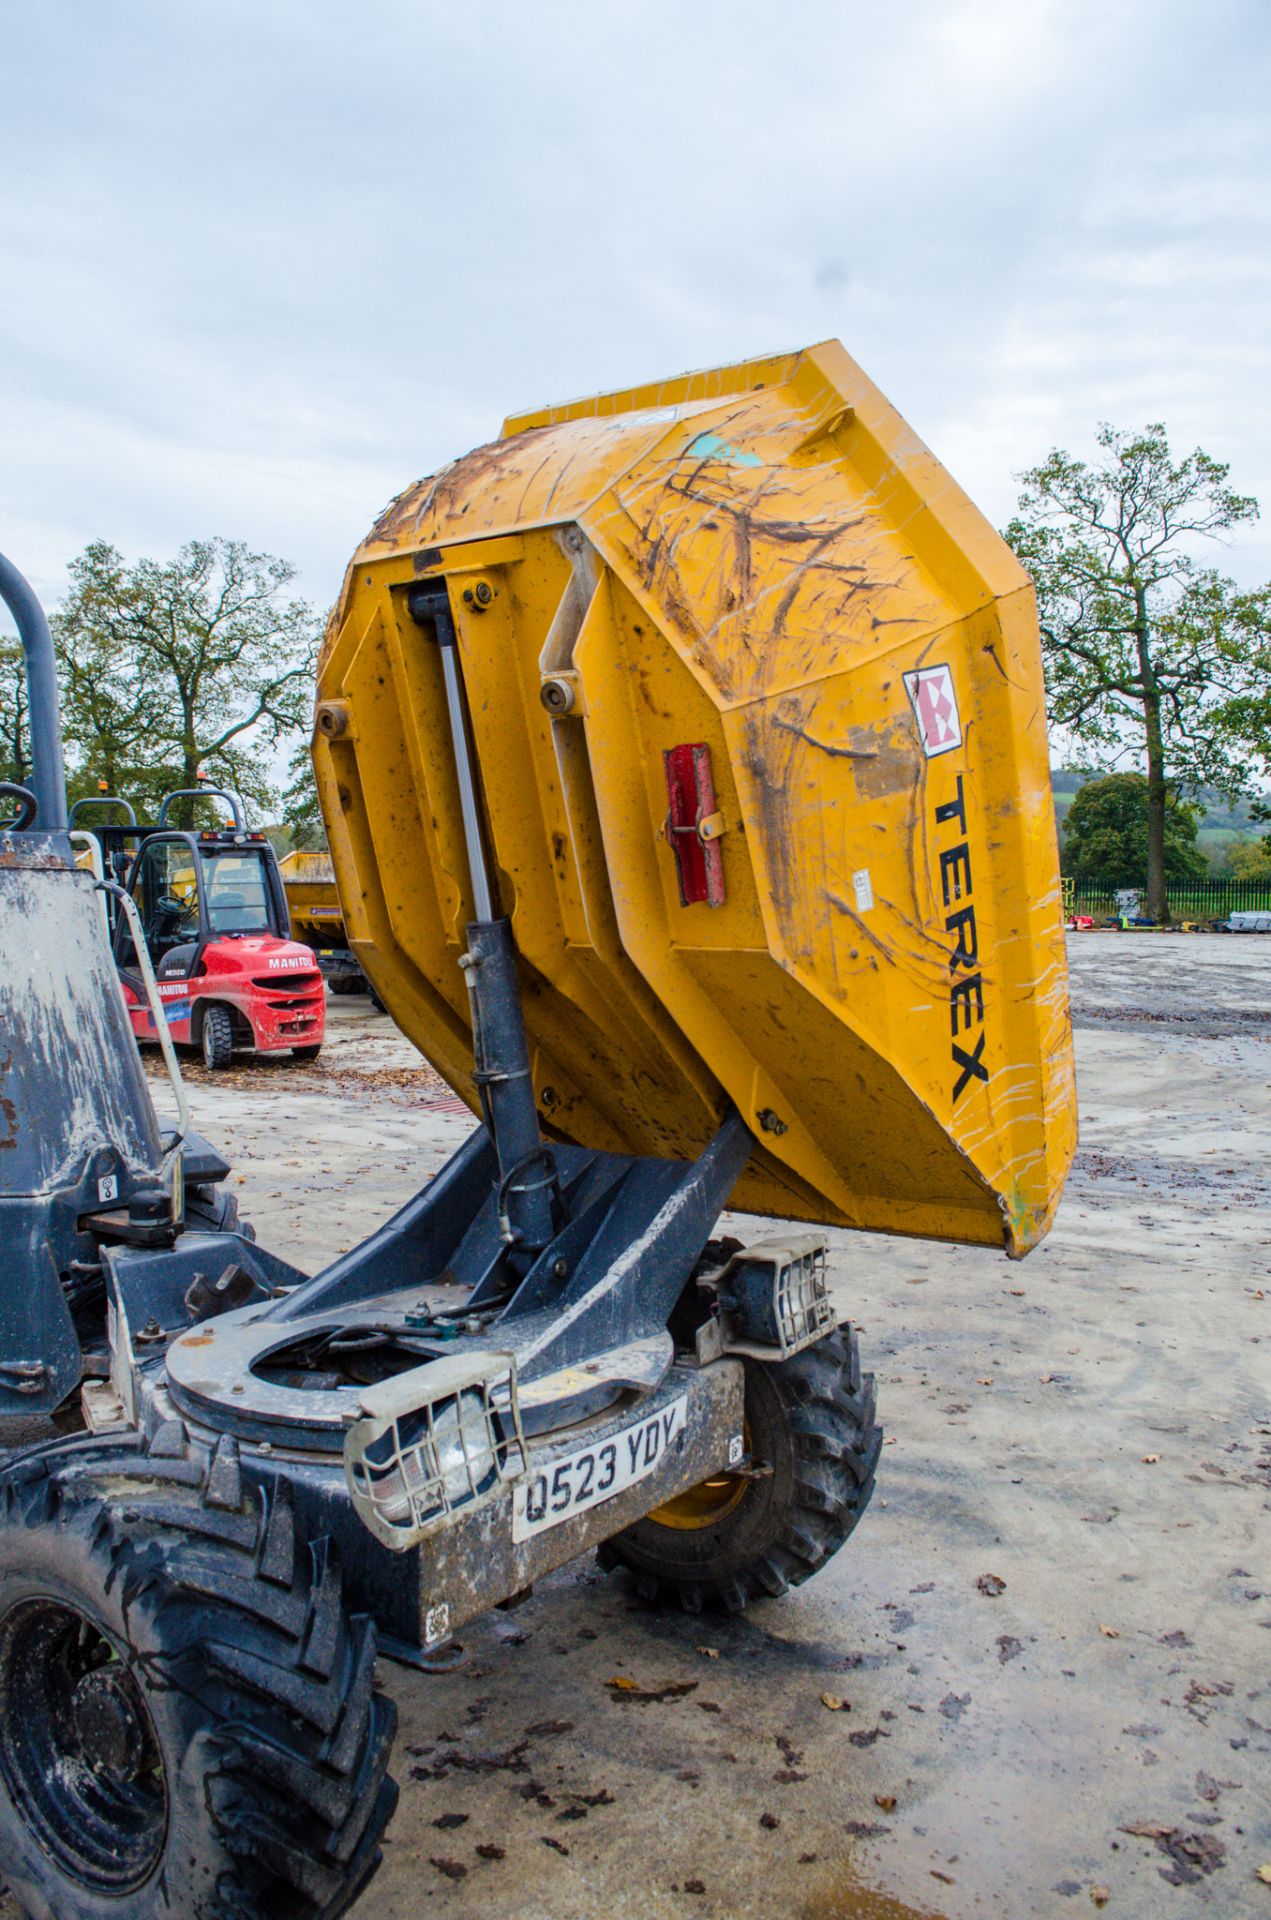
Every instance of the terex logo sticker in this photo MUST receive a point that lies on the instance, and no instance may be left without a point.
(935, 706)
(966, 982)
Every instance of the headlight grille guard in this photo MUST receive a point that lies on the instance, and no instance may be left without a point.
(441, 1439)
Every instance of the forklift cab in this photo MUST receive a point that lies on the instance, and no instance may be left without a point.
(192, 889)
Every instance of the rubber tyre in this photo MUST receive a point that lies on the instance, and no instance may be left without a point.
(305, 1054)
(811, 1419)
(215, 1210)
(257, 1685)
(217, 1038)
(344, 983)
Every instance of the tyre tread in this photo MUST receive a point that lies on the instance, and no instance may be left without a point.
(829, 1414)
(248, 1622)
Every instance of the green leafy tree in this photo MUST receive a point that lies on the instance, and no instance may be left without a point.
(1250, 859)
(15, 752)
(1149, 655)
(300, 809)
(198, 665)
(1105, 836)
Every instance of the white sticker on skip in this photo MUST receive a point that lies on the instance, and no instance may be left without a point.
(863, 888)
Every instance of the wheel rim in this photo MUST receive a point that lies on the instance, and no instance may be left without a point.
(78, 1749)
(209, 1043)
(706, 1504)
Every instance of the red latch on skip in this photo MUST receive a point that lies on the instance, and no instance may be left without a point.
(693, 825)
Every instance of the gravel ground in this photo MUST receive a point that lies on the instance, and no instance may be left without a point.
(1052, 1625)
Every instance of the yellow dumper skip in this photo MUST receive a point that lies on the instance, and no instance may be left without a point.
(756, 700)
(313, 900)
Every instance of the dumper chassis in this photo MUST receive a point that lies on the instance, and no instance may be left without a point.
(543, 1352)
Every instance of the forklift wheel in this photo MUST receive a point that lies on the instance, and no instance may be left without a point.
(734, 1539)
(306, 1053)
(187, 1721)
(218, 1038)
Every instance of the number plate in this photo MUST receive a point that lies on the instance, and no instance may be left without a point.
(565, 1487)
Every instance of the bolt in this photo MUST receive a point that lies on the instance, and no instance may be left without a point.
(484, 593)
(560, 1269)
(557, 696)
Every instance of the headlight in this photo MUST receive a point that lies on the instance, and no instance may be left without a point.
(465, 1454)
(409, 1467)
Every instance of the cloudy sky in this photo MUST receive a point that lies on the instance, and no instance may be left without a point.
(262, 264)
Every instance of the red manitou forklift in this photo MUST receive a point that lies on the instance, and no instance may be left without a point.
(214, 915)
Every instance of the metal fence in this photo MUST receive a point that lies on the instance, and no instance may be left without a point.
(1188, 899)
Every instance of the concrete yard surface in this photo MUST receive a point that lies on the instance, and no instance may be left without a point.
(1053, 1626)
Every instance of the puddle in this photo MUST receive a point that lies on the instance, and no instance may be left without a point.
(846, 1899)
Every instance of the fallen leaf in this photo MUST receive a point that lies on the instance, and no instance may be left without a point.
(948, 1878)
(984, 1383)
(954, 1705)
(887, 1801)
(488, 1851)
(1100, 1896)
(1150, 1459)
(1008, 1648)
(992, 1584)
(769, 1820)
(694, 1886)
(632, 1690)
(1192, 1854)
(1109, 1633)
(709, 1653)
(557, 1846)
(835, 1703)
(451, 1820)
(453, 1869)
(1264, 1874)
